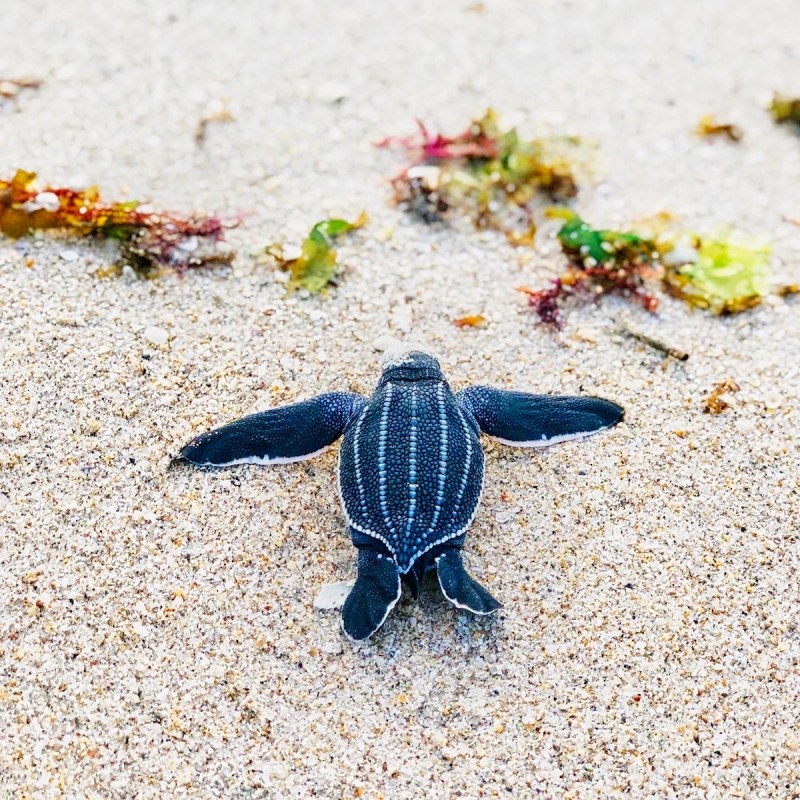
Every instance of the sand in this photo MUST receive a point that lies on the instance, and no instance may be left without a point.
(157, 630)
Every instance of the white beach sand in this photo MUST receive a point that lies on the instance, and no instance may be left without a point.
(157, 632)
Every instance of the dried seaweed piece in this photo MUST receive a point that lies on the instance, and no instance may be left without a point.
(315, 268)
(421, 194)
(471, 321)
(190, 243)
(524, 237)
(11, 87)
(492, 174)
(474, 142)
(785, 109)
(725, 274)
(714, 403)
(545, 302)
(149, 241)
(709, 128)
(216, 111)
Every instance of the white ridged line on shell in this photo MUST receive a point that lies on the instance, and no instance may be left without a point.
(383, 432)
(462, 486)
(442, 459)
(412, 464)
(362, 501)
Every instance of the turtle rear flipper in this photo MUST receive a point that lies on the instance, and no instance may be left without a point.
(376, 591)
(460, 588)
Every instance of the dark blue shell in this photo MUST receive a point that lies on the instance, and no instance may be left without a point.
(411, 466)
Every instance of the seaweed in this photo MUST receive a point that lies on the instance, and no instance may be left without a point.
(149, 241)
(708, 128)
(785, 109)
(600, 262)
(546, 302)
(490, 173)
(315, 267)
(725, 274)
(588, 248)
(420, 193)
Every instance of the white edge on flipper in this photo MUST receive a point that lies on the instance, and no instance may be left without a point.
(567, 437)
(388, 609)
(461, 605)
(261, 461)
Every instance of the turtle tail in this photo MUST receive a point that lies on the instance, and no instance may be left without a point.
(374, 595)
(460, 588)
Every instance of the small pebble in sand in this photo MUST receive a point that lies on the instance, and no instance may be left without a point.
(401, 318)
(503, 517)
(332, 595)
(385, 343)
(156, 336)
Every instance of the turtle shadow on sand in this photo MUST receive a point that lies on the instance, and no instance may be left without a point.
(434, 604)
(430, 625)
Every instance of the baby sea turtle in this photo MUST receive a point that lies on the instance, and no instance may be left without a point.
(410, 470)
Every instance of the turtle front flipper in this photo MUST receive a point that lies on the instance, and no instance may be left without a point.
(460, 588)
(374, 595)
(278, 436)
(537, 420)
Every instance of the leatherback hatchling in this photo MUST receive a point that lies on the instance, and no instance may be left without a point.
(410, 470)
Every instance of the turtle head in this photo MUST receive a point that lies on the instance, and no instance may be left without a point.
(410, 365)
